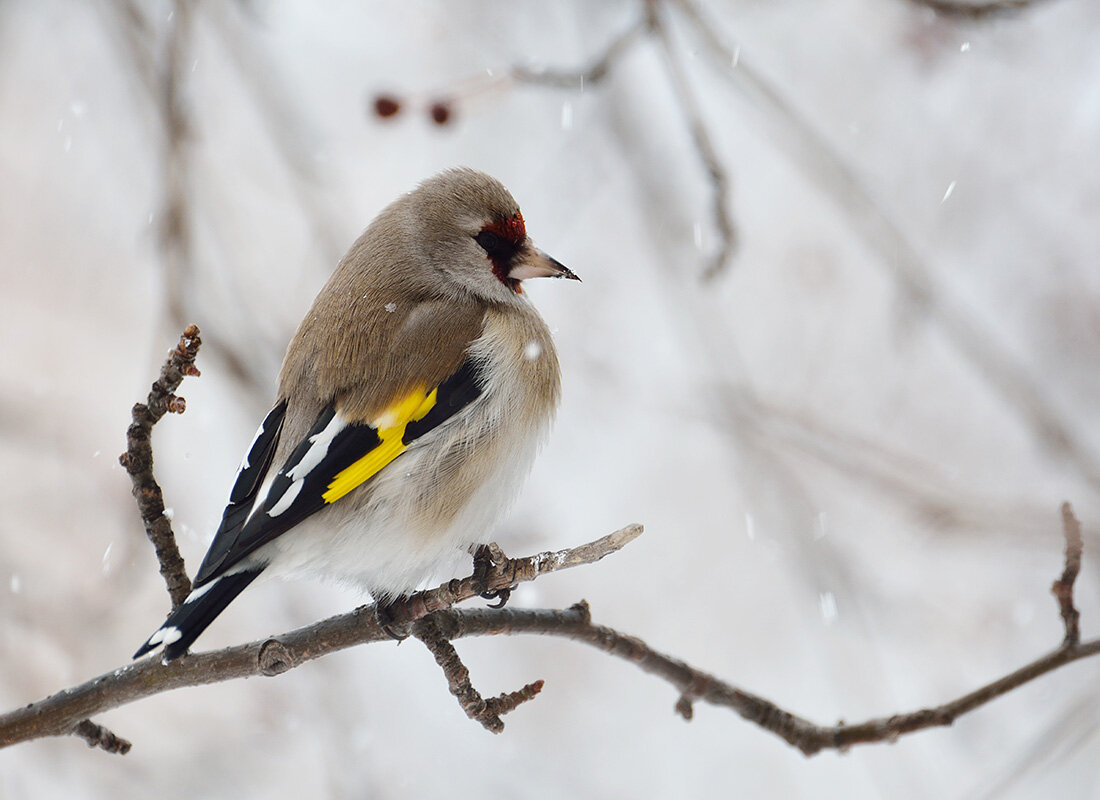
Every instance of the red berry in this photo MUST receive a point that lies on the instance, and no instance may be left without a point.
(441, 112)
(386, 105)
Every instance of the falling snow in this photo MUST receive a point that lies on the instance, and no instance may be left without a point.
(566, 116)
(827, 601)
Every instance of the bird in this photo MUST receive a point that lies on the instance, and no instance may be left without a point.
(411, 403)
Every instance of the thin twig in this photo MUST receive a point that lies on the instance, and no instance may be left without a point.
(510, 701)
(721, 215)
(976, 11)
(594, 73)
(458, 676)
(98, 736)
(176, 235)
(487, 712)
(138, 460)
(1063, 587)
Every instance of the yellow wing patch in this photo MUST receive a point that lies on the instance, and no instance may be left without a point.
(391, 430)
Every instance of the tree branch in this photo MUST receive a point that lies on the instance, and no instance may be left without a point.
(61, 713)
(696, 685)
(704, 148)
(1063, 587)
(960, 8)
(138, 460)
(68, 712)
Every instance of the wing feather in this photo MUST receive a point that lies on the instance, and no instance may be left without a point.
(331, 460)
(242, 498)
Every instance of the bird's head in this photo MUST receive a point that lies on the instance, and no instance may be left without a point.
(473, 233)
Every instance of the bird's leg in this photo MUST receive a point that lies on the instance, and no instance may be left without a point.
(487, 556)
(388, 620)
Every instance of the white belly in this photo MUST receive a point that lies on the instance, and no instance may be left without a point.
(417, 518)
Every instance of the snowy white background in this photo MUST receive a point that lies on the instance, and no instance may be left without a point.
(846, 510)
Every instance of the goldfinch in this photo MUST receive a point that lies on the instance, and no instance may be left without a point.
(411, 403)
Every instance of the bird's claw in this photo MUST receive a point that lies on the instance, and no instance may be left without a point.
(487, 556)
(388, 622)
(500, 595)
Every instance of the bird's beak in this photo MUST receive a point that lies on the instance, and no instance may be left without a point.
(533, 263)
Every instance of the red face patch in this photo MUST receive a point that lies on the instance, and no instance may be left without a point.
(501, 239)
(510, 228)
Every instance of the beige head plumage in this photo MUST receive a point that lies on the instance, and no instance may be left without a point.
(418, 280)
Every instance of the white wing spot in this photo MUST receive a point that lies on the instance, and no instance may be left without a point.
(319, 444)
(166, 636)
(288, 498)
(532, 350)
(248, 450)
(197, 593)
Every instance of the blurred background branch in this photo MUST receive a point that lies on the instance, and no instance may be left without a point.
(856, 430)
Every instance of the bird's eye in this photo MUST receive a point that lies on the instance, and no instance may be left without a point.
(495, 245)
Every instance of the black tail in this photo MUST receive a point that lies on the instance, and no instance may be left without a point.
(200, 608)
